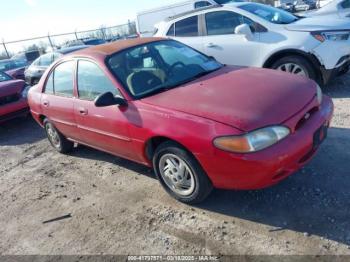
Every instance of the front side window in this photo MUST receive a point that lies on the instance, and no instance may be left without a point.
(158, 66)
(225, 22)
(222, 23)
(187, 27)
(269, 13)
(61, 80)
(93, 82)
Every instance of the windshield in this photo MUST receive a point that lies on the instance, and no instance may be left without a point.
(4, 77)
(270, 14)
(158, 66)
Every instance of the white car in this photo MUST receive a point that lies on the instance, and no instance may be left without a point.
(335, 8)
(251, 34)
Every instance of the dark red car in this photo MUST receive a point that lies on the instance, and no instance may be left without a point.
(14, 68)
(13, 97)
(198, 123)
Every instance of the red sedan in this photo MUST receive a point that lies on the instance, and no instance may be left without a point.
(198, 123)
(13, 97)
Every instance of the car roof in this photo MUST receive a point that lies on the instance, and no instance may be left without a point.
(111, 48)
(203, 9)
(71, 49)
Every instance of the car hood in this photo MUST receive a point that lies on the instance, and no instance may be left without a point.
(319, 23)
(11, 87)
(245, 98)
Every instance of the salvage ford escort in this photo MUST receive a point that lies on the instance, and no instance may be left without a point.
(198, 123)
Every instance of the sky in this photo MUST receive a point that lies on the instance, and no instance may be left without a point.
(21, 19)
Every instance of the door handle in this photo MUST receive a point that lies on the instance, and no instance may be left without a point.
(211, 45)
(46, 103)
(83, 111)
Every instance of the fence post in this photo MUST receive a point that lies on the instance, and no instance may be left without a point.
(48, 36)
(76, 35)
(7, 53)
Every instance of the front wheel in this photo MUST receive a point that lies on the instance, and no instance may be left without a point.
(57, 140)
(180, 174)
(296, 65)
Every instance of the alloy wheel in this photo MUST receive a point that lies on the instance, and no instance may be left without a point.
(177, 175)
(53, 135)
(293, 69)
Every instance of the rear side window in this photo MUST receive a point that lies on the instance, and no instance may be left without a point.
(61, 80)
(187, 27)
(49, 84)
(92, 81)
(222, 23)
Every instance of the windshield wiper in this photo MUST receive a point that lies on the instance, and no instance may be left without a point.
(199, 75)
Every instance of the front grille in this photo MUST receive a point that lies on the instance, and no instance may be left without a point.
(306, 117)
(9, 99)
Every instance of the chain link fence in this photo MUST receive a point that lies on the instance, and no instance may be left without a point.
(51, 42)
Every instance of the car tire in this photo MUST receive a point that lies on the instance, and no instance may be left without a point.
(56, 139)
(295, 64)
(34, 82)
(195, 185)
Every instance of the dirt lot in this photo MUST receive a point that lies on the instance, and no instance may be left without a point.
(117, 207)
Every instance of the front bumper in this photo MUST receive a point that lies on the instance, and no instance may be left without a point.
(270, 166)
(334, 57)
(13, 110)
(329, 74)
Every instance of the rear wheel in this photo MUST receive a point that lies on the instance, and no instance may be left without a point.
(180, 174)
(296, 65)
(57, 140)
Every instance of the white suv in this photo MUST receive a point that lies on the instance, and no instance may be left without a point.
(251, 34)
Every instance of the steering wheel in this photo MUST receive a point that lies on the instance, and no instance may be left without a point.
(172, 67)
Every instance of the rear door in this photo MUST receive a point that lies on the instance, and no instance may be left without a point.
(58, 99)
(105, 128)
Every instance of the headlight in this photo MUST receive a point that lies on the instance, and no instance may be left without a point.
(319, 95)
(332, 36)
(254, 141)
(25, 91)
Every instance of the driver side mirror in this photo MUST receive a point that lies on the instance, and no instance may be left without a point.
(244, 30)
(108, 99)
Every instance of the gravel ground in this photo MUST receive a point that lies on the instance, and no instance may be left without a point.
(114, 206)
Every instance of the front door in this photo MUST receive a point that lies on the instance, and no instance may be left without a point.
(104, 128)
(227, 47)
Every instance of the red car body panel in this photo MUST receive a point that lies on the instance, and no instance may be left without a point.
(231, 101)
(216, 97)
(17, 73)
(12, 104)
